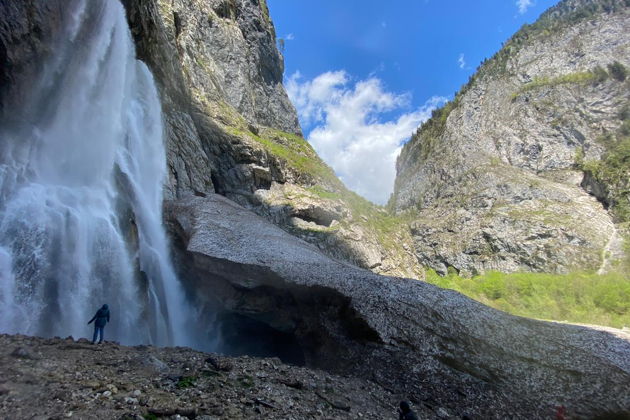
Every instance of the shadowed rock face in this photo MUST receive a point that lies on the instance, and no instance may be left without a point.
(27, 38)
(432, 344)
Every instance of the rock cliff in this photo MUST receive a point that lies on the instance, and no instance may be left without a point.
(499, 179)
(432, 345)
(28, 33)
(232, 130)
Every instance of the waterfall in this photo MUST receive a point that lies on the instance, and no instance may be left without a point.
(81, 181)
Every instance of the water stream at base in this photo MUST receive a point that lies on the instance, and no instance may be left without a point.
(81, 193)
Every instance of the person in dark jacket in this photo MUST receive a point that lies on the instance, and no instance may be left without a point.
(405, 412)
(101, 317)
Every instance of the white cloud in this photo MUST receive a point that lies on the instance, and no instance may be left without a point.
(344, 118)
(523, 5)
(461, 62)
(289, 37)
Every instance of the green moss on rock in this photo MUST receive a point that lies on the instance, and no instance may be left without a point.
(613, 170)
(292, 149)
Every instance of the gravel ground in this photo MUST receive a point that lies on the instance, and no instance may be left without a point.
(63, 378)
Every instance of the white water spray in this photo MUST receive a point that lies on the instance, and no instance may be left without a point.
(81, 193)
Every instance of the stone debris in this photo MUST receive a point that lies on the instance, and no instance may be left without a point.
(114, 383)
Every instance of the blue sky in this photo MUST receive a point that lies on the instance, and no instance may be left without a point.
(364, 74)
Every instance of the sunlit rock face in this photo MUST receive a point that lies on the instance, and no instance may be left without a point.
(495, 181)
(231, 129)
(411, 337)
(213, 60)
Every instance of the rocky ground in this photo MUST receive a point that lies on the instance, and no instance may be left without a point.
(66, 378)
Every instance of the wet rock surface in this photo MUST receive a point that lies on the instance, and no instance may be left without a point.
(415, 339)
(28, 36)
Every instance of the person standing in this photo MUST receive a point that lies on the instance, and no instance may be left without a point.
(101, 318)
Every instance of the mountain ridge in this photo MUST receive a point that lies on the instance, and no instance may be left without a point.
(505, 152)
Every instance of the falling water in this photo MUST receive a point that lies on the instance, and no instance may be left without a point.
(81, 193)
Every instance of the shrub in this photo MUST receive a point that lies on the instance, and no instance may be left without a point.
(569, 78)
(186, 382)
(618, 71)
(600, 74)
(612, 171)
(577, 297)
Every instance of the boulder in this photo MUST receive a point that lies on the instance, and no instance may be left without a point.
(435, 346)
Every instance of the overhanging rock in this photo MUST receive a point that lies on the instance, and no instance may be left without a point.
(425, 343)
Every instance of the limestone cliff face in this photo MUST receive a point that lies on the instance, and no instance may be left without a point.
(496, 179)
(430, 344)
(232, 130)
(216, 65)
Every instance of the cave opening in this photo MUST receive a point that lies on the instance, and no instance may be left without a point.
(248, 309)
(241, 335)
(317, 216)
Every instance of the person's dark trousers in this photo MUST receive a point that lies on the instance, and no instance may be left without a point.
(97, 331)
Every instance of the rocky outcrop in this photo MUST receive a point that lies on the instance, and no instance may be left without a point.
(231, 129)
(493, 180)
(433, 345)
(215, 62)
(262, 291)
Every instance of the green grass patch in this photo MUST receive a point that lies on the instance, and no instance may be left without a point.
(363, 211)
(377, 219)
(571, 78)
(578, 297)
(324, 193)
(293, 149)
(186, 382)
(265, 11)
